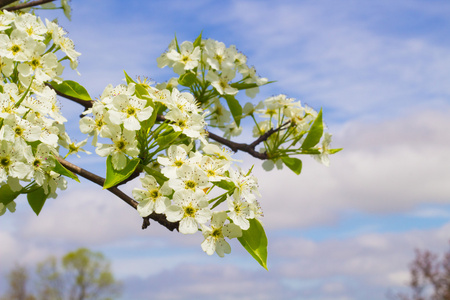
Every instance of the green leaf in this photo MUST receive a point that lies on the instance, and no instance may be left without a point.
(72, 88)
(333, 151)
(198, 40)
(7, 195)
(235, 108)
(254, 240)
(219, 200)
(176, 44)
(36, 199)
(223, 184)
(114, 177)
(187, 79)
(244, 86)
(128, 78)
(139, 90)
(160, 178)
(315, 133)
(59, 168)
(166, 140)
(293, 163)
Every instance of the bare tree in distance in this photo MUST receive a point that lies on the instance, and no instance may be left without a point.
(430, 277)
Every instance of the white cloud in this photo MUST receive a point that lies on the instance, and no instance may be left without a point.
(387, 166)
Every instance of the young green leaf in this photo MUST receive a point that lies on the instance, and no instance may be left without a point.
(59, 168)
(138, 88)
(315, 133)
(72, 88)
(293, 163)
(36, 199)
(187, 79)
(164, 141)
(333, 151)
(160, 178)
(198, 40)
(114, 176)
(7, 195)
(235, 108)
(254, 240)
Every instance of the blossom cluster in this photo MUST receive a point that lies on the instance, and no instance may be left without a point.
(31, 124)
(184, 195)
(188, 166)
(294, 121)
(216, 68)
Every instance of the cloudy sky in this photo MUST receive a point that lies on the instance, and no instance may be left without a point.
(381, 72)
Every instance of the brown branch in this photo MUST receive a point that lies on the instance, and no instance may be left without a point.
(4, 3)
(24, 5)
(160, 218)
(249, 148)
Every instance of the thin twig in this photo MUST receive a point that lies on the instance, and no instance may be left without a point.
(160, 218)
(25, 5)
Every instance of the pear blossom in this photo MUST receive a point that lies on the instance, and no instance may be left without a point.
(190, 208)
(324, 150)
(216, 234)
(186, 59)
(189, 178)
(124, 143)
(153, 198)
(240, 212)
(221, 82)
(130, 111)
(176, 157)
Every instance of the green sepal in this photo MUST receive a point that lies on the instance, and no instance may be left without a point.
(198, 40)
(235, 108)
(72, 88)
(293, 163)
(315, 133)
(7, 195)
(160, 178)
(114, 177)
(254, 240)
(37, 199)
(187, 79)
(60, 169)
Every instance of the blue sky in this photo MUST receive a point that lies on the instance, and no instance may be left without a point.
(381, 72)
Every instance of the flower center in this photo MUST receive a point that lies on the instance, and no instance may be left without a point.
(154, 193)
(120, 145)
(131, 111)
(36, 163)
(189, 211)
(190, 184)
(18, 131)
(15, 49)
(217, 233)
(5, 162)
